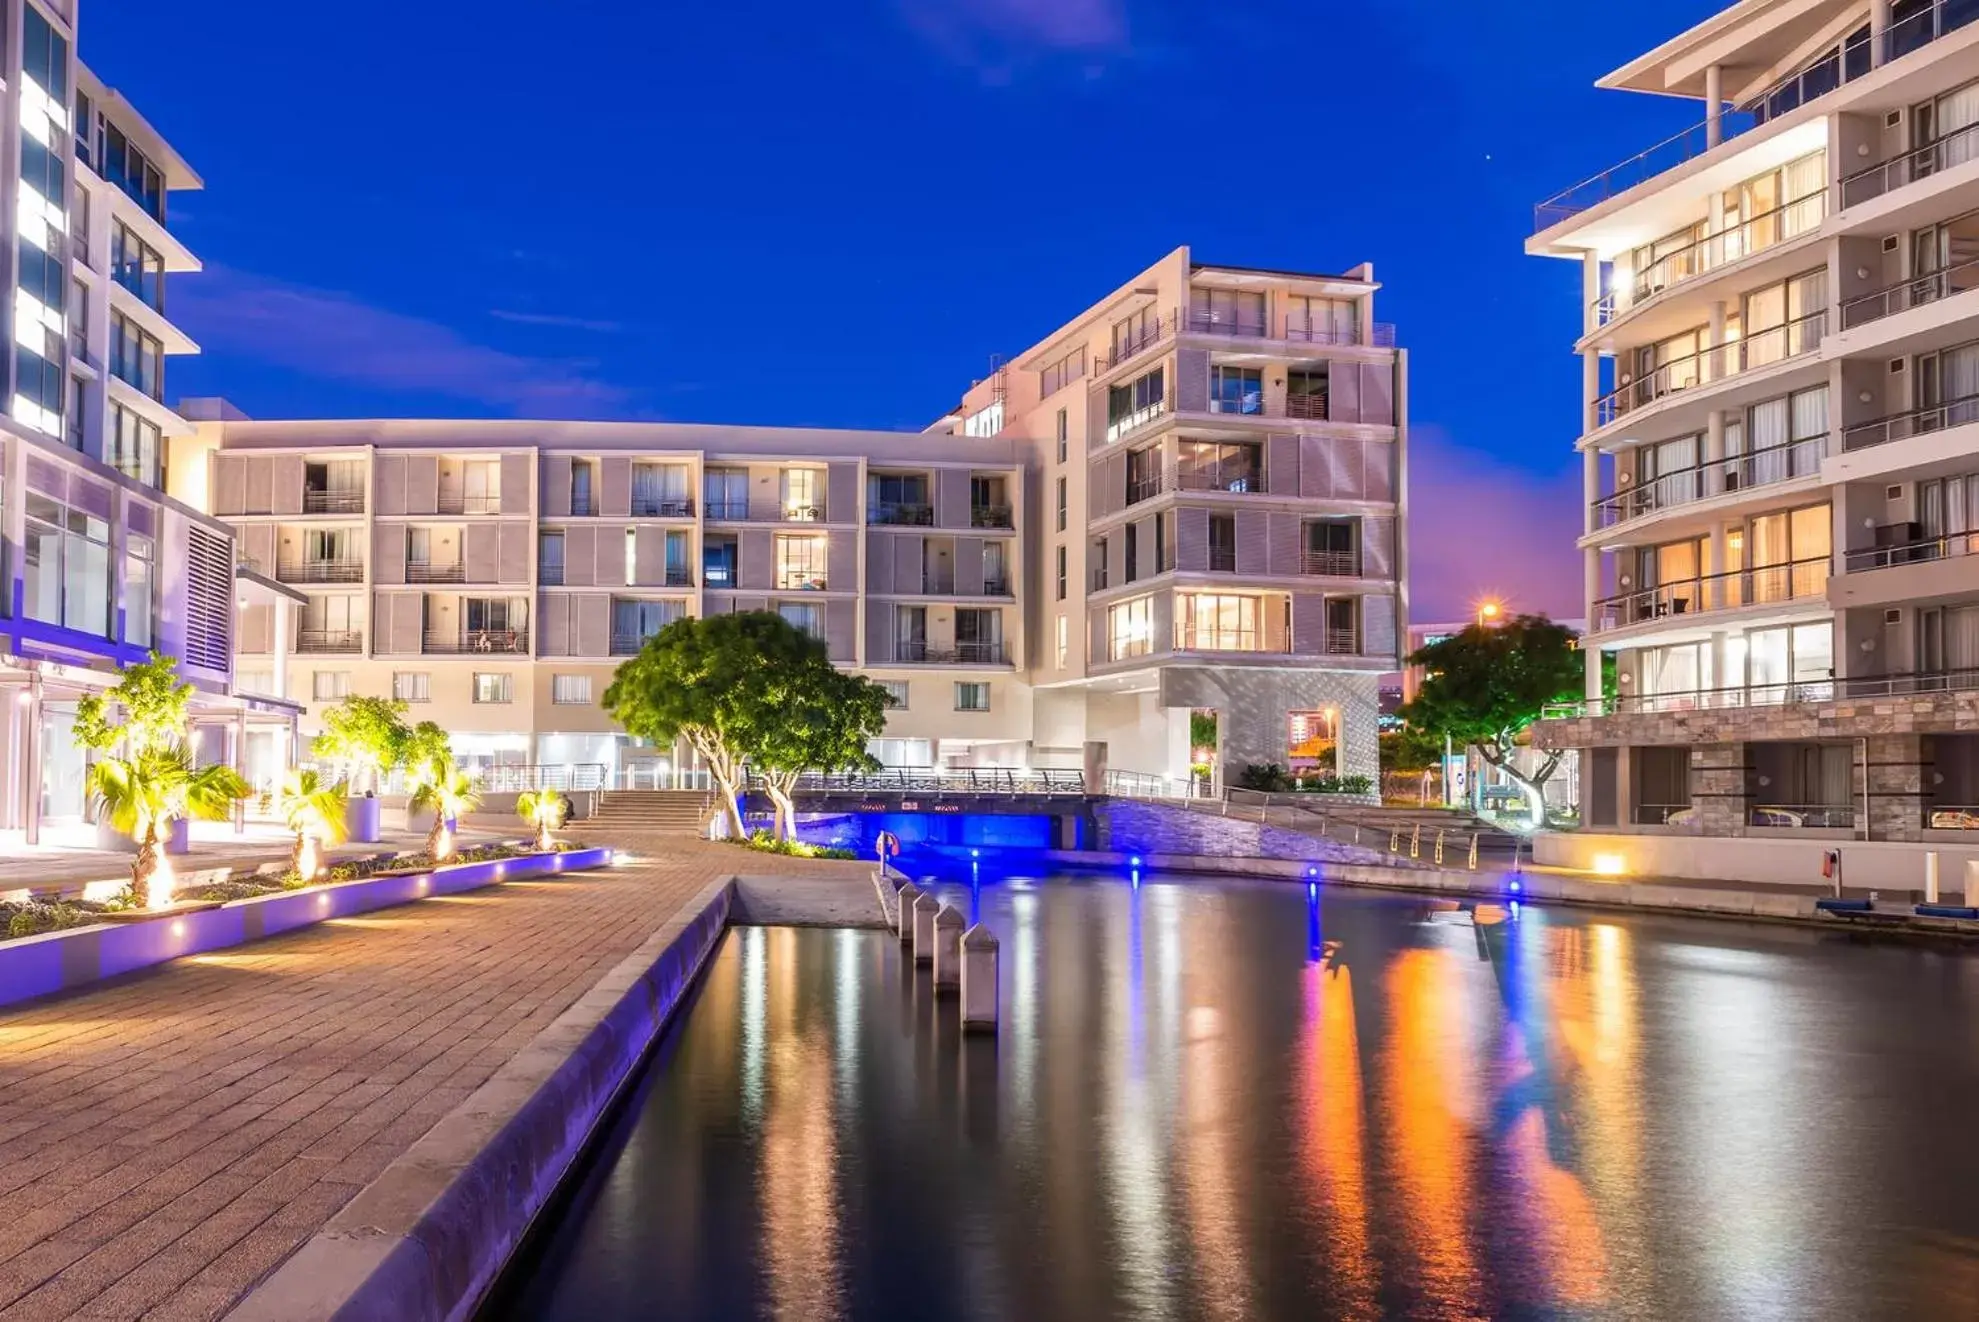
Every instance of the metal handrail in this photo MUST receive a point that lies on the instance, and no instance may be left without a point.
(461, 503)
(1763, 348)
(728, 509)
(426, 571)
(1314, 407)
(1708, 478)
(320, 571)
(1715, 592)
(477, 641)
(933, 780)
(803, 514)
(1917, 291)
(1383, 336)
(332, 502)
(1946, 546)
(961, 654)
(1908, 684)
(1331, 564)
(1911, 422)
(1241, 481)
(329, 640)
(1343, 642)
(1158, 330)
(1206, 323)
(1802, 816)
(653, 507)
(1710, 252)
(1129, 423)
(1145, 487)
(895, 514)
(991, 516)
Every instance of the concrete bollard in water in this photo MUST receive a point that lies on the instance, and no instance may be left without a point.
(903, 915)
(1931, 876)
(948, 950)
(1972, 883)
(926, 907)
(979, 989)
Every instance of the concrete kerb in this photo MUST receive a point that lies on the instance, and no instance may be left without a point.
(429, 1237)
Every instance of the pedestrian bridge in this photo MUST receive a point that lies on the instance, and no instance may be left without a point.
(1010, 790)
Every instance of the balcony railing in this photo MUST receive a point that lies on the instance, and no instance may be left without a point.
(329, 640)
(1802, 816)
(1801, 216)
(803, 514)
(1311, 407)
(550, 573)
(332, 502)
(1208, 323)
(1954, 148)
(1126, 424)
(456, 502)
(1912, 422)
(1144, 486)
(320, 571)
(1343, 642)
(800, 581)
(1916, 293)
(1331, 564)
(1947, 546)
(996, 587)
(429, 571)
(1222, 560)
(991, 516)
(477, 641)
(583, 507)
(656, 507)
(1099, 579)
(1157, 330)
(1383, 336)
(628, 644)
(895, 515)
(1701, 481)
(1715, 592)
(1762, 348)
(728, 509)
(961, 654)
(1813, 690)
(679, 576)
(1236, 479)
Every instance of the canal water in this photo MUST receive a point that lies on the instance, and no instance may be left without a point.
(1228, 1101)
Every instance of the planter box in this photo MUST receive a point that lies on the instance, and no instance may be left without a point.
(364, 819)
(112, 841)
(62, 961)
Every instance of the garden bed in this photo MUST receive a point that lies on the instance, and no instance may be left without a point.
(83, 943)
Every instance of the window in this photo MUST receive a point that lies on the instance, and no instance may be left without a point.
(1143, 474)
(1064, 433)
(136, 356)
(549, 558)
(725, 492)
(1138, 401)
(631, 555)
(493, 688)
(1219, 466)
(77, 409)
(803, 495)
(896, 693)
(1312, 738)
(972, 696)
(1061, 504)
(570, 690)
(996, 569)
(1062, 646)
(1135, 333)
(633, 622)
(1213, 622)
(1226, 311)
(899, 498)
(125, 166)
(582, 485)
(679, 570)
(1164, 545)
(804, 615)
(481, 486)
(718, 563)
(1223, 543)
(978, 636)
(1130, 629)
(412, 686)
(331, 623)
(1343, 626)
(140, 575)
(984, 421)
(1305, 393)
(255, 681)
(1321, 320)
(137, 266)
(1061, 573)
(800, 564)
(1130, 567)
(134, 446)
(1063, 373)
(66, 553)
(1330, 548)
(1236, 390)
(661, 491)
(330, 685)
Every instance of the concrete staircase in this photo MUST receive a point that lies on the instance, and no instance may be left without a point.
(680, 811)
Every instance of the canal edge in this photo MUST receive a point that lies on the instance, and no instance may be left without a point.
(430, 1237)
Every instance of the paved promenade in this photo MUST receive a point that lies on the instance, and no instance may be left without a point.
(165, 1142)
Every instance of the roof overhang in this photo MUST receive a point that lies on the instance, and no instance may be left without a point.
(1747, 42)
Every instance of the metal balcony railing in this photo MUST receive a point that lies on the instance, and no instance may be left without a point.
(1222, 560)
(1912, 422)
(583, 507)
(428, 571)
(898, 515)
(1762, 348)
(1125, 424)
(320, 571)
(1946, 546)
(801, 581)
(931, 780)
(1914, 293)
(1800, 691)
(1145, 486)
(1331, 564)
(728, 509)
(803, 514)
(332, 502)
(1133, 346)
(456, 502)
(1953, 148)
(655, 507)
(1801, 216)
(1802, 816)
(678, 576)
(1715, 592)
(477, 641)
(1343, 642)
(961, 654)
(991, 516)
(1383, 336)
(1209, 323)
(329, 640)
(1310, 407)
(1701, 481)
(1237, 479)
(996, 587)
(628, 644)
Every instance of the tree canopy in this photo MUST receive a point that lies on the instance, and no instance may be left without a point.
(1483, 688)
(747, 688)
(365, 734)
(149, 704)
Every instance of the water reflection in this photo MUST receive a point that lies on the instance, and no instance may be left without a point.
(1265, 1102)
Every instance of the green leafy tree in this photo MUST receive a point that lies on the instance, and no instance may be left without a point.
(449, 795)
(1410, 748)
(427, 753)
(821, 722)
(1202, 732)
(313, 808)
(1485, 686)
(545, 810)
(366, 737)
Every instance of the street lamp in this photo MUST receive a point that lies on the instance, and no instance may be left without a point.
(1488, 612)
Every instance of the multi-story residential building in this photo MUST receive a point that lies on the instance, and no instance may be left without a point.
(100, 565)
(1780, 359)
(1187, 499)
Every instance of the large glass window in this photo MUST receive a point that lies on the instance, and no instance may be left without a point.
(803, 492)
(67, 563)
(1226, 311)
(494, 688)
(633, 622)
(140, 577)
(800, 563)
(1236, 390)
(570, 690)
(804, 615)
(1216, 622)
(1220, 466)
(1130, 629)
(137, 266)
(978, 636)
(136, 356)
(1062, 373)
(1135, 332)
(1138, 401)
(661, 490)
(718, 563)
(134, 445)
(549, 558)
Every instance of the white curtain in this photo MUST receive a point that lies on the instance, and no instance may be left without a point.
(1772, 429)
(1961, 637)
(1810, 430)
(1806, 195)
(1958, 110)
(1958, 371)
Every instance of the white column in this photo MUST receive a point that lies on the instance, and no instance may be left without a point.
(1714, 453)
(31, 781)
(1590, 590)
(237, 759)
(1714, 106)
(1590, 359)
(1590, 487)
(1879, 26)
(281, 647)
(1592, 655)
(1715, 360)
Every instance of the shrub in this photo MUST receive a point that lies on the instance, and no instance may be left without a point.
(1268, 777)
(1354, 784)
(34, 917)
(767, 842)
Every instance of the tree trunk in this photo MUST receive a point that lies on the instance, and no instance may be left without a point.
(731, 805)
(1533, 785)
(433, 836)
(786, 809)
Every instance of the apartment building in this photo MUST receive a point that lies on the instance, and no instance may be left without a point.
(1780, 360)
(1039, 580)
(100, 566)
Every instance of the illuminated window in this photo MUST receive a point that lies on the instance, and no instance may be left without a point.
(412, 686)
(972, 696)
(800, 564)
(1130, 628)
(570, 690)
(1064, 643)
(494, 688)
(1213, 622)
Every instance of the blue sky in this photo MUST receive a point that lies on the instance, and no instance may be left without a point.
(612, 210)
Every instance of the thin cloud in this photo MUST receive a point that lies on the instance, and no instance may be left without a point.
(992, 35)
(338, 337)
(1478, 527)
(556, 320)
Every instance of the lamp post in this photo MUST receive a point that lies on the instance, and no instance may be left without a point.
(1488, 612)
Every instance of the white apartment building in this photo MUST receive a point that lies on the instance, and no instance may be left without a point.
(1051, 578)
(100, 566)
(1780, 360)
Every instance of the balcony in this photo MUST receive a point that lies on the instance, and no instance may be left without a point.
(1733, 590)
(1342, 642)
(1762, 348)
(679, 576)
(1308, 407)
(803, 514)
(1382, 336)
(1911, 551)
(1222, 559)
(1864, 309)
(962, 654)
(1801, 216)
(478, 642)
(895, 515)
(1208, 323)
(800, 581)
(736, 510)
(991, 516)
(320, 571)
(1802, 816)
(654, 507)
(1137, 344)
(1099, 579)
(1126, 424)
(429, 571)
(1145, 486)
(1913, 422)
(1953, 148)
(996, 587)
(1702, 481)
(1331, 564)
(329, 640)
(1799, 692)
(1234, 479)
(628, 644)
(455, 502)
(332, 502)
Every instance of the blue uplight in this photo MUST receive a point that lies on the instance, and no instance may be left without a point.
(1514, 887)
(1134, 862)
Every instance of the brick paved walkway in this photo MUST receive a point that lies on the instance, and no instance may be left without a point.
(166, 1142)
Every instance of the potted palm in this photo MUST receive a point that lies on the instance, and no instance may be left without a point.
(144, 792)
(449, 793)
(366, 738)
(427, 754)
(545, 810)
(315, 809)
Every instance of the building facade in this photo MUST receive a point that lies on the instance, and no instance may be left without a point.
(1154, 513)
(1780, 362)
(100, 565)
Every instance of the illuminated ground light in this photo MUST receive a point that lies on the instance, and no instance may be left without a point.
(1610, 865)
(1515, 886)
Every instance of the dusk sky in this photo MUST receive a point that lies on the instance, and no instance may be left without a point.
(832, 215)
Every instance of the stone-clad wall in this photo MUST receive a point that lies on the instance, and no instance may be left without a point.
(1252, 703)
(1127, 826)
(1909, 714)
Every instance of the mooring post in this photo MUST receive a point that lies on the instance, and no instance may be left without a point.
(979, 980)
(1930, 876)
(1473, 851)
(903, 913)
(926, 907)
(1439, 848)
(1415, 841)
(948, 950)
(1972, 883)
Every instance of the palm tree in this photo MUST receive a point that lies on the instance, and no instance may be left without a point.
(142, 794)
(448, 793)
(313, 808)
(543, 809)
